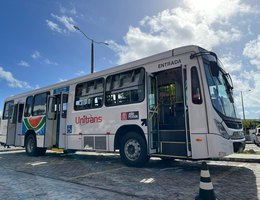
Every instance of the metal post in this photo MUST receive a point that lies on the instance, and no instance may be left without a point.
(92, 48)
(243, 109)
(92, 56)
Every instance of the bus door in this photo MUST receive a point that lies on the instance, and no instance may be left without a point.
(18, 134)
(62, 121)
(172, 114)
(56, 121)
(11, 124)
(153, 126)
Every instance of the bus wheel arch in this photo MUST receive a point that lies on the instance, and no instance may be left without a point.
(131, 142)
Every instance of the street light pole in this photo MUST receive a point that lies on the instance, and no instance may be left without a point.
(242, 101)
(92, 48)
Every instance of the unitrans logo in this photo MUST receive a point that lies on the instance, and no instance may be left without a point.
(88, 119)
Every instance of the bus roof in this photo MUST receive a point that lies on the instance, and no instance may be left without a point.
(122, 67)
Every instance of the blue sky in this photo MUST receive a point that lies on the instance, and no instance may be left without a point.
(39, 47)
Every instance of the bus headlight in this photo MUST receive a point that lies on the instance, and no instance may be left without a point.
(222, 130)
(238, 135)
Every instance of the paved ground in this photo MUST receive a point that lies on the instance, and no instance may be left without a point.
(252, 146)
(103, 176)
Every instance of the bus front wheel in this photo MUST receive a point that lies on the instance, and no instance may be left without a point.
(31, 145)
(133, 150)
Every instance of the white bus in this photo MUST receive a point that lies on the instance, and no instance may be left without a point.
(176, 104)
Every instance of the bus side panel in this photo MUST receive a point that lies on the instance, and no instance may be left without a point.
(95, 129)
(36, 124)
(197, 116)
(219, 146)
(3, 131)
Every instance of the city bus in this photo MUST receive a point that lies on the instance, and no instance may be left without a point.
(174, 105)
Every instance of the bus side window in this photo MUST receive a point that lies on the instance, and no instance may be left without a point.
(89, 95)
(64, 105)
(28, 106)
(40, 104)
(125, 88)
(195, 87)
(7, 112)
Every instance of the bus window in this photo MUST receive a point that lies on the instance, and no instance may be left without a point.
(39, 106)
(89, 95)
(28, 106)
(20, 113)
(195, 87)
(64, 105)
(7, 112)
(125, 88)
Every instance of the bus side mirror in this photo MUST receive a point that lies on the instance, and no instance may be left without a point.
(214, 68)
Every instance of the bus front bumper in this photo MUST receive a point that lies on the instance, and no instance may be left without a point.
(239, 146)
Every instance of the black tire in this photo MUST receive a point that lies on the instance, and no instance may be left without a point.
(133, 150)
(68, 151)
(31, 145)
(41, 151)
(167, 159)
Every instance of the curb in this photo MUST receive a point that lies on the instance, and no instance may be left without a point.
(246, 160)
(10, 149)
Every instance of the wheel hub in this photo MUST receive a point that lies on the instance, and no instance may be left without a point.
(132, 149)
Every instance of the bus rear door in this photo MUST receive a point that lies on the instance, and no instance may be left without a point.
(56, 121)
(11, 124)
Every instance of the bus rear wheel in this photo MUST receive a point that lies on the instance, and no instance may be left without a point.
(133, 150)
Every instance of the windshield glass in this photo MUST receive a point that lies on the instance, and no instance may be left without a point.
(220, 88)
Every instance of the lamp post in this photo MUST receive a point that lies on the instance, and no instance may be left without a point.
(92, 47)
(242, 102)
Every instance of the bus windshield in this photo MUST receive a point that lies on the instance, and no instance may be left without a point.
(220, 88)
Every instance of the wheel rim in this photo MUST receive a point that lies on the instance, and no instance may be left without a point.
(132, 149)
(31, 145)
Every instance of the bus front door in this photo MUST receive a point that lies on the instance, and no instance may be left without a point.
(172, 115)
(153, 126)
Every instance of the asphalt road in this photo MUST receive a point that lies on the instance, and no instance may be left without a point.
(103, 176)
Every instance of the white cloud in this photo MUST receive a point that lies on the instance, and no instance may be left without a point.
(49, 62)
(61, 80)
(249, 83)
(230, 63)
(12, 82)
(36, 55)
(68, 22)
(252, 51)
(201, 22)
(80, 73)
(53, 26)
(71, 11)
(23, 63)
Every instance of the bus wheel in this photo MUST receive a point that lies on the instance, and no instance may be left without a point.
(133, 150)
(31, 146)
(41, 151)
